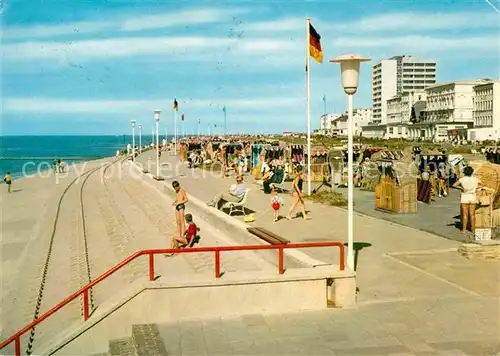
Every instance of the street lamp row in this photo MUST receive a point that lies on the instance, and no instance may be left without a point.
(157, 120)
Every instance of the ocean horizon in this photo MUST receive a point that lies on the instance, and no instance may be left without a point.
(27, 154)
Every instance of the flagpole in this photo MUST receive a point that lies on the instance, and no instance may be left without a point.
(324, 103)
(183, 131)
(308, 106)
(198, 127)
(175, 131)
(225, 121)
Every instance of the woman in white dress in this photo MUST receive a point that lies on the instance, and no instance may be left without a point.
(469, 185)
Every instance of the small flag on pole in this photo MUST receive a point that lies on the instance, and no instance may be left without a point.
(224, 109)
(182, 117)
(315, 45)
(176, 106)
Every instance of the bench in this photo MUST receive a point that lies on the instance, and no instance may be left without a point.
(268, 236)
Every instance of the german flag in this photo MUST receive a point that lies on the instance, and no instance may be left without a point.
(176, 106)
(315, 45)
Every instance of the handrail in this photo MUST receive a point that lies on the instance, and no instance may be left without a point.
(85, 290)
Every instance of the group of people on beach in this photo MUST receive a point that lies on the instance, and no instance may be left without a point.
(58, 166)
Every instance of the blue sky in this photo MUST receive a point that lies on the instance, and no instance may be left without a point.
(89, 67)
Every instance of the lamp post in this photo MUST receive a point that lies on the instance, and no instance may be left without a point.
(140, 139)
(133, 139)
(157, 121)
(349, 68)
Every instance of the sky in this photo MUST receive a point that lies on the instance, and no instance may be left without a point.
(92, 66)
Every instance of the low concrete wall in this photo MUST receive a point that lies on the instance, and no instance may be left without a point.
(484, 250)
(233, 294)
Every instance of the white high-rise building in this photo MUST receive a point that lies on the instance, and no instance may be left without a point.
(396, 76)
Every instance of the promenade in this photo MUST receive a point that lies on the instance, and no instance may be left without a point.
(103, 217)
(416, 294)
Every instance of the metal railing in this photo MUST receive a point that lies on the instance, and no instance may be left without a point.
(16, 338)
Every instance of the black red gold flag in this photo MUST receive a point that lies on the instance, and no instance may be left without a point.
(315, 45)
(176, 106)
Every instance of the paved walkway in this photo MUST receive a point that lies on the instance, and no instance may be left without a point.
(422, 327)
(123, 214)
(416, 294)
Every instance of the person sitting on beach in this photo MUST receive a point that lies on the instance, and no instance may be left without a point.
(8, 180)
(62, 166)
(192, 159)
(235, 195)
(276, 177)
(180, 206)
(188, 238)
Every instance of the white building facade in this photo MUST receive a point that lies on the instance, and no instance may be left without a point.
(326, 123)
(396, 76)
(449, 111)
(486, 112)
(360, 118)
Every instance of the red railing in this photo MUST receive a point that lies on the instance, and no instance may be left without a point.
(85, 290)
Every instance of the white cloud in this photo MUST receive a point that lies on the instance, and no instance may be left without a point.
(61, 106)
(109, 48)
(193, 47)
(398, 21)
(421, 43)
(421, 21)
(280, 25)
(184, 17)
(42, 31)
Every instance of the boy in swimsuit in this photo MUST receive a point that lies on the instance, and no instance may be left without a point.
(180, 205)
(188, 238)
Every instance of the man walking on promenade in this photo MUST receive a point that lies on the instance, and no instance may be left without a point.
(235, 195)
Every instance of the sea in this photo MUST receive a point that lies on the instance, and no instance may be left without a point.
(21, 155)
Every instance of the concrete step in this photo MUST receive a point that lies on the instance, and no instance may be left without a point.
(145, 341)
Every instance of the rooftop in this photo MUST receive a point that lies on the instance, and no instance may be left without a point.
(460, 82)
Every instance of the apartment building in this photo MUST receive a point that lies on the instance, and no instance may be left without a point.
(486, 112)
(449, 111)
(360, 118)
(396, 76)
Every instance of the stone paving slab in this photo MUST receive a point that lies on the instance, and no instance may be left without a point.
(481, 276)
(383, 329)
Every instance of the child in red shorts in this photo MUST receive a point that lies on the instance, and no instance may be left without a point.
(276, 203)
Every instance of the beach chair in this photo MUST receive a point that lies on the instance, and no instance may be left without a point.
(237, 207)
(281, 185)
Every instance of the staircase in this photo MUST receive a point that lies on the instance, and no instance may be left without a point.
(145, 341)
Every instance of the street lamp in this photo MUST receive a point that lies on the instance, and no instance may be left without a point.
(349, 68)
(140, 139)
(157, 120)
(133, 139)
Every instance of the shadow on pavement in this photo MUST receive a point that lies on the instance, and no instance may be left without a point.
(358, 246)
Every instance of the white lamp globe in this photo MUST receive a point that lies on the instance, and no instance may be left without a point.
(349, 68)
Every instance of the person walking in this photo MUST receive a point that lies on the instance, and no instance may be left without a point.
(180, 206)
(276, 204)
(298, 199)
(8, 180)
(469, 185)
